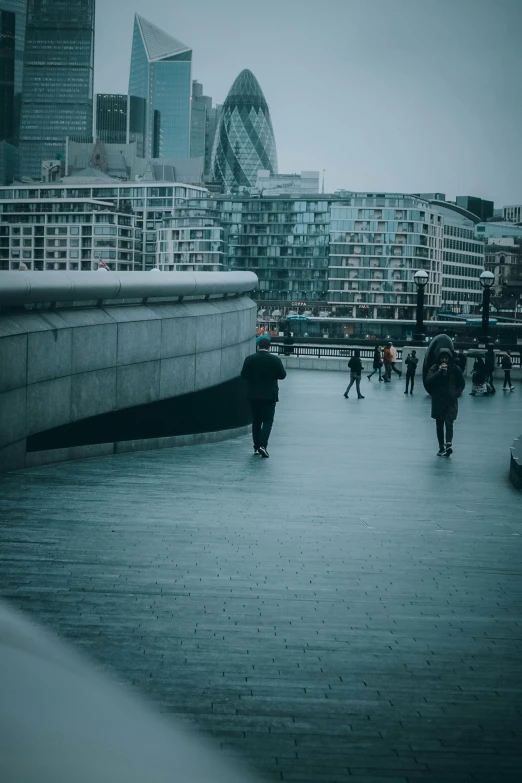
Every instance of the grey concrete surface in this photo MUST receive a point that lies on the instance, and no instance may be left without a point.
(348, 611)
(65, 365)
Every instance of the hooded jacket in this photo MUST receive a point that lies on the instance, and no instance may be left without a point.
(445, 388)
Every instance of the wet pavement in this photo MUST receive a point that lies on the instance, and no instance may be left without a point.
(348, 610)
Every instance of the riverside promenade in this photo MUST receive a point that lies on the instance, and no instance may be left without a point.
(348, 611)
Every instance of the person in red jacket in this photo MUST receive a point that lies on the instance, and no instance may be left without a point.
(387, 360)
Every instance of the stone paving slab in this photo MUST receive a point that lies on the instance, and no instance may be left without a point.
(349, 610)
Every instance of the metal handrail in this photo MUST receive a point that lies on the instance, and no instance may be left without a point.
(18, 288)
(334, 352)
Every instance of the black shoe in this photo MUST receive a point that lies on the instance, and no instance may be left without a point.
(360, 397)
(345, 396)
(381, 379)
(406, 392)
(369, 377)
(448, 450)
(400, 375)
(264, 453)
(441, 452)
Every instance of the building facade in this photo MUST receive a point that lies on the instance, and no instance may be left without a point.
(204, 120)
(57, 99)
(193, 240)
(463, 260)
(288, 184)
(111, 118)
(377, 243)
(479, 207)
(504, 259)
(244, 141)
(513, 214)
(160, 90)
(493, 230)
(12, 45)
(67, 234)
(149, 203)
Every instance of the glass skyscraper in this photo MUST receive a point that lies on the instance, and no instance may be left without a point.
(57, 98)
(111, 118)
(160, 85)
(12, 40)
(244, 141)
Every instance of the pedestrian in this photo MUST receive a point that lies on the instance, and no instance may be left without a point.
(489, 363)
(387, 360)
(262, 370)
(393, 350)
(478, 378)
(445, 383)
(355, 366)
(411, 368)
(507, 364)
(461, 360)
(377, 363)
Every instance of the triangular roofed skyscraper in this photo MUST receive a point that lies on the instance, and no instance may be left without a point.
(160, 87)
(158, 44)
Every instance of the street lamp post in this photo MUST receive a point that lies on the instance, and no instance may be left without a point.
(420, 279)
(486, 281)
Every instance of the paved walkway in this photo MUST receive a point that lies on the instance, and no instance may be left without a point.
(346, 611)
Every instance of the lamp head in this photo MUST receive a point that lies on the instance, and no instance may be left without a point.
(420, 278)
(486, 279)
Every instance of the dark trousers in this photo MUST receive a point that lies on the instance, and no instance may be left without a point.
(395, 369)
(440, 431)
(262, 419)
(507, 378)
(410, 379)
(387, 372)
(376, 369)
(489, 380)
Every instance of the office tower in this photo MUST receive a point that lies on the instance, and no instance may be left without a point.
(111, 118)
(244, 141)
(12, 39)
(477, 206)
(159, 89)
(203, 125)
(57, 99)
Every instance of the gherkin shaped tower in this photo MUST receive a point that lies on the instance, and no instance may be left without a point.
(244, 141)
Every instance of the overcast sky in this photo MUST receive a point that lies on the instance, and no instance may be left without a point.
(386, 95)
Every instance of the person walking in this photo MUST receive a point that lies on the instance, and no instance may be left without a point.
(262, 371)
(377, 364)
(445, 383)
(387, 360)
(411, 368)
(461, 360)
(507, 364)
(489, 363)
(393, 350)
(355, 365)
(478, 378)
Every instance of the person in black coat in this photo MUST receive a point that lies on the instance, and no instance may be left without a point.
(355, 366)
(411, 368)
(377, 363)
(261, 371)
(445, 383)
(490, 368)
(507, 364)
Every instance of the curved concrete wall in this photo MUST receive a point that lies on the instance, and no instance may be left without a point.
(62, 366)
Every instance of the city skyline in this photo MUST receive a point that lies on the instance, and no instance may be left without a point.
(390, 95)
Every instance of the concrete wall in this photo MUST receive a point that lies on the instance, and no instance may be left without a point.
(57, 367)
